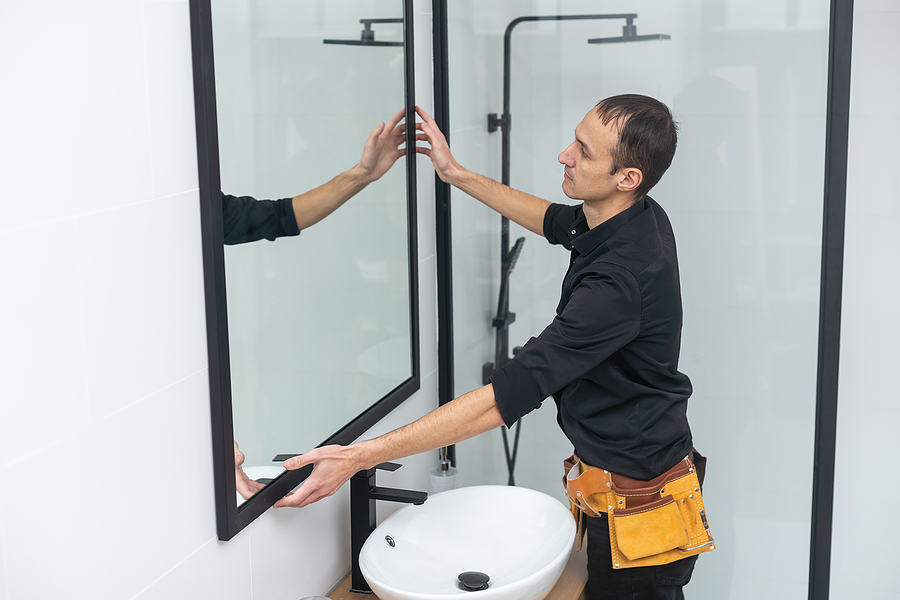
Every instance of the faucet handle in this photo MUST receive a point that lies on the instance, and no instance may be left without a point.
(388, 466)
(370, 473)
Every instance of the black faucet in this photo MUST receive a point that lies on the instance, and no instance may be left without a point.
(363, 494)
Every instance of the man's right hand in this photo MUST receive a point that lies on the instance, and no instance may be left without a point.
(445, 165)
(524, 209)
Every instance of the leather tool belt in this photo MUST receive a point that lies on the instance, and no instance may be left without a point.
(650, 522)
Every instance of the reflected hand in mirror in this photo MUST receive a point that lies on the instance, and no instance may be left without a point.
(247, 219)
(246, 487)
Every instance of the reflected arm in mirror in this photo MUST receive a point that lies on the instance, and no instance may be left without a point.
(380, 152)
(246, 219)
(461, 419)
(517, 206)
(246, 487)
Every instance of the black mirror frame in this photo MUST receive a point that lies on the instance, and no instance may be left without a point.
(231, 518)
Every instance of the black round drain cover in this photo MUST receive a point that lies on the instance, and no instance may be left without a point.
(473, 581)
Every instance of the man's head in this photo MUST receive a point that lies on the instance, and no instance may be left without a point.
(622, 146)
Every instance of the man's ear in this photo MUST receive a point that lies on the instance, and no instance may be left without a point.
(631, 179)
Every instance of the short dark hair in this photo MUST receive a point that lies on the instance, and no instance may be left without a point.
(648, 136)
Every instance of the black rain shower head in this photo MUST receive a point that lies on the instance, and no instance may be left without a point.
(629, 34)
(367, 35)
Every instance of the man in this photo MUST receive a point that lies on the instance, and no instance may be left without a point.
(247, 219)
(610, 356)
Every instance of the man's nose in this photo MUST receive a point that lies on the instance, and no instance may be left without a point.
(564, 156)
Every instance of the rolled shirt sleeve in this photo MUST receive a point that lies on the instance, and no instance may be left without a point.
(246, 219)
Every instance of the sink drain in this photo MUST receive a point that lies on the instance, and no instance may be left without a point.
(473, 581)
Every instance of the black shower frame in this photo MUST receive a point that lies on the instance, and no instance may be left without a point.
(831, 282)
(231, 518)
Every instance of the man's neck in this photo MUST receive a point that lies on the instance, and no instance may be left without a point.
(597, 213)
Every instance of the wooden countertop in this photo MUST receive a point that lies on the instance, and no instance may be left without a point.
(569, 587)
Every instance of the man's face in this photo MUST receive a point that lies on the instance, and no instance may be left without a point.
(588, 160)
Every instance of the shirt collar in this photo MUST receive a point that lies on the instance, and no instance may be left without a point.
(585, 240)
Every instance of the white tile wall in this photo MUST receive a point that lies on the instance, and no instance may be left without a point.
(215, 570)
(105, 467)
(74, 123)
(44, 366)
(141, 279)
(115, 504)
(171, 98)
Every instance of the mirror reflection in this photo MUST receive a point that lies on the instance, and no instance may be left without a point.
(315, 215)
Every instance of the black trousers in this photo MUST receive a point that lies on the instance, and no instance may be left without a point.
(664, 582)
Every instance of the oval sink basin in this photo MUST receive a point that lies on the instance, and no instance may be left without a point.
(518, 539)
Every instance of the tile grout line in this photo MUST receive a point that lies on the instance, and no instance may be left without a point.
(181, 562)
(91, 213)
(43, 449)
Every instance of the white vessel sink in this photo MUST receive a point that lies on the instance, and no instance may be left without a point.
(521, 539)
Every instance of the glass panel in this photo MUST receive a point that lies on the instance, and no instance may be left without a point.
(319, 324)
(747, 83)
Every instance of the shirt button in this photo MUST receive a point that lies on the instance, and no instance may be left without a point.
(573, 232)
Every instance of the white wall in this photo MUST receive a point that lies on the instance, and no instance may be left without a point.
(864, 551)
(105, 464)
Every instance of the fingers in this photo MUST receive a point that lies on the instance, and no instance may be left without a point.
(311, 490)
(430, 134)
(425, 116)
(396, 119)
(298, 462)
(301, 497)
(247, 487)
(375, 134)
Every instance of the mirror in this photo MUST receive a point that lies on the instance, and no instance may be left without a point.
(313, 337)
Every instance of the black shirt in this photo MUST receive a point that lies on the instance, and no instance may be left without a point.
(610, 357)
(247, 219)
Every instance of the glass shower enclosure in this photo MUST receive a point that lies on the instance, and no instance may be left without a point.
(747, 82)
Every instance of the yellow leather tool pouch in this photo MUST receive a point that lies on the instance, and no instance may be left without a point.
(660, 521)
(650, 522)
(649, 530)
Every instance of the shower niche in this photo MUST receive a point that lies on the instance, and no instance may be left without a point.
(312, 338)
